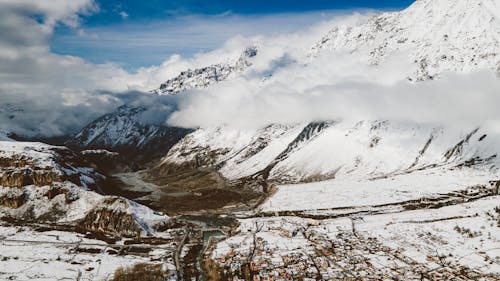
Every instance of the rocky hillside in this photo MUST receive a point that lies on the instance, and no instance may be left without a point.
(43, 183)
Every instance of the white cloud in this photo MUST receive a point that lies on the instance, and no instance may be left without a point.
(35, 84)
(341, 86)
(45, 93)
(123, 15)
(49, 94)
(151, 42)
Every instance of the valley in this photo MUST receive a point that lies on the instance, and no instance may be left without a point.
(432, 223)
(167, 186)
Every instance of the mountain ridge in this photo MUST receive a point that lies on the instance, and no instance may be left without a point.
(436, 37)
(123, 131)
(120, 130)
(204, 77)
(439, 36)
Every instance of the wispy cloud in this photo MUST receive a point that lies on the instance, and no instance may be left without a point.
(339, 86)
(138, 44)
(123, 14)
(44, 93)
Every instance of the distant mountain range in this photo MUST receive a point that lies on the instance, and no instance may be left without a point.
(435, 36)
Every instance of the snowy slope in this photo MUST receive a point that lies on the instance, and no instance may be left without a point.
(34, 156)
(237, 152)
(122, 130)
(319, 151)
(43, 183)
(457, 242)
(435, 35)
(204, 77)
(354, 194)
(377, 149)
(28, 254)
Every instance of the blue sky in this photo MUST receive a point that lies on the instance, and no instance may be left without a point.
(135, 33)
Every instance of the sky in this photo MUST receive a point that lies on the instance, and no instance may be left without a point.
(137, 34)
(65, 63)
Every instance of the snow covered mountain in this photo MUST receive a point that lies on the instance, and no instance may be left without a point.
(327, 150)
(436, 35)
(123, 131)
(204, 77)
(337, 199)
(42, 183)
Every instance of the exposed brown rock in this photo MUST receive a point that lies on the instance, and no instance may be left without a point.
(13, 200)
(17, 162)
(54, 191)
(109, 220)
(28, 176)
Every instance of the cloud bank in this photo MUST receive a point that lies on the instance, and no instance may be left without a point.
(343, 87)
(40, 92)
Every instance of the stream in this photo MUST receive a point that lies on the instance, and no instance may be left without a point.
(134, 182)
(201, 228)
(207, 235)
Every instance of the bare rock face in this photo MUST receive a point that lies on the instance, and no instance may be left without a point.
(24, 163)
(27, 176)
(13, 162)
(119, 216)
(106, 220)
(14, 199)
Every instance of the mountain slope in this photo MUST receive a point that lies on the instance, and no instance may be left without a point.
(435, 35)
(51, 184)
(206, 76)
(325, 150)
(123, 131)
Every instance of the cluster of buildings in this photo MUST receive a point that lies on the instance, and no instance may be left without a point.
(266, 263)
(312, 252)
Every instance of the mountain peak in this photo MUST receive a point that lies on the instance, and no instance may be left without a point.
(436, 35)
(206, 76)
(453, 16)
